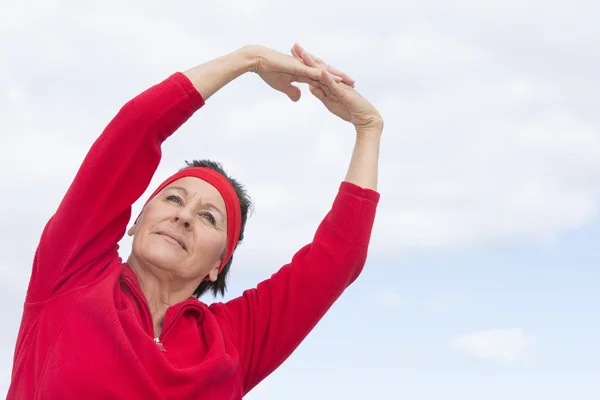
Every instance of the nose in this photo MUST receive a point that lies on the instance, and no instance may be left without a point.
(184, 216)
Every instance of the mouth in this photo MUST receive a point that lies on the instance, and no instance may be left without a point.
(174, 238)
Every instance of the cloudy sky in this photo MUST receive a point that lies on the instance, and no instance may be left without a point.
(482, 279)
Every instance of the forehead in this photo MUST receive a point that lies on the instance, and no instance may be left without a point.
(198, 189)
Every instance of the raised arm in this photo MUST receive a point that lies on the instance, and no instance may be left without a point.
(272, 320)
(80, 240)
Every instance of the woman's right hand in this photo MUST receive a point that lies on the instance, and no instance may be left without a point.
(280, 70)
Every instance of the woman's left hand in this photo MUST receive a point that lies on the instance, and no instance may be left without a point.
(341, 99)
(280, 70)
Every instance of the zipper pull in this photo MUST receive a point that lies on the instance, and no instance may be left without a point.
(159, 344)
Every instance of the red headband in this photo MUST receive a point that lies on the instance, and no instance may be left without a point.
(232, 203)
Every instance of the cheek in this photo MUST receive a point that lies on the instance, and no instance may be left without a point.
(148, 222)
(211, 246)
(145, 243)
(153, 214)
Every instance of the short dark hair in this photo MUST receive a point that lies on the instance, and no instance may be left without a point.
(220, 285)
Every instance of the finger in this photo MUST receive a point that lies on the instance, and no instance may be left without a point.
(295, 53)
(337, 89)
(311, 60)
(296, 48)
(307, 71)
(338, 75)
(326, 90)
(303, 79)
(345, 77)
(301, 49)
(327, 78)
(318, 93)
(292, 92)
(308, 60)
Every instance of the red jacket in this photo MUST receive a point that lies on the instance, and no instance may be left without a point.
(87, 332)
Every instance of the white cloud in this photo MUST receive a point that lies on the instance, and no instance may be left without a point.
(492, 132)
(466, 173)
(500, 345)
(474, 154)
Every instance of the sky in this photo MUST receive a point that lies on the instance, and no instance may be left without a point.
(482, 276)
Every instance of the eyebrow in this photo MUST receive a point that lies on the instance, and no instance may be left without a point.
(206, 204)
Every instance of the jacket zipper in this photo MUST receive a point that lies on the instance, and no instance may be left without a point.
(159, 344)
(157, 339)
(166, 328)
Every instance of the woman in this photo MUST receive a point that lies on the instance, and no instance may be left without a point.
(95, 327)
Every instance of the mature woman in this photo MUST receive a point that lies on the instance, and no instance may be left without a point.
(95, 327)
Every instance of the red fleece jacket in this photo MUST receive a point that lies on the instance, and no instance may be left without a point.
(87, 332)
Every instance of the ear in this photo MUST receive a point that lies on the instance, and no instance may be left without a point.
(214, 273)
(132, 230)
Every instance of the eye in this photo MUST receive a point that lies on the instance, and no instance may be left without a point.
(209, 217)
(175, 199)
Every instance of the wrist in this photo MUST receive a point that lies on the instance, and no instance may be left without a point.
(248, 57)
(374, 128)
(210, 77)
(369, 133)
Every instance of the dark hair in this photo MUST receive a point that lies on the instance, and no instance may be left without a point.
(220, 285)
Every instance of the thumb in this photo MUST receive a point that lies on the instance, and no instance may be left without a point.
(292, 92)
(295, 53)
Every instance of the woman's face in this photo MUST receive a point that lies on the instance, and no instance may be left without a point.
(183, 230)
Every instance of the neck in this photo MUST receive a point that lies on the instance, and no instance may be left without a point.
(161, 291)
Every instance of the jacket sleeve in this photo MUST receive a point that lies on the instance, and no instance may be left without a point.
(80, 239)
(269, 322)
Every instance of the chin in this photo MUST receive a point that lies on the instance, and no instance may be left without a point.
(160, 256)
(163, 258)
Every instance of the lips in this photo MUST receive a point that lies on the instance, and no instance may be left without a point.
(175, 237)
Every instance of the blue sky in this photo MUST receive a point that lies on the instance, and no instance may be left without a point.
(405, 350)
(482, 274)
